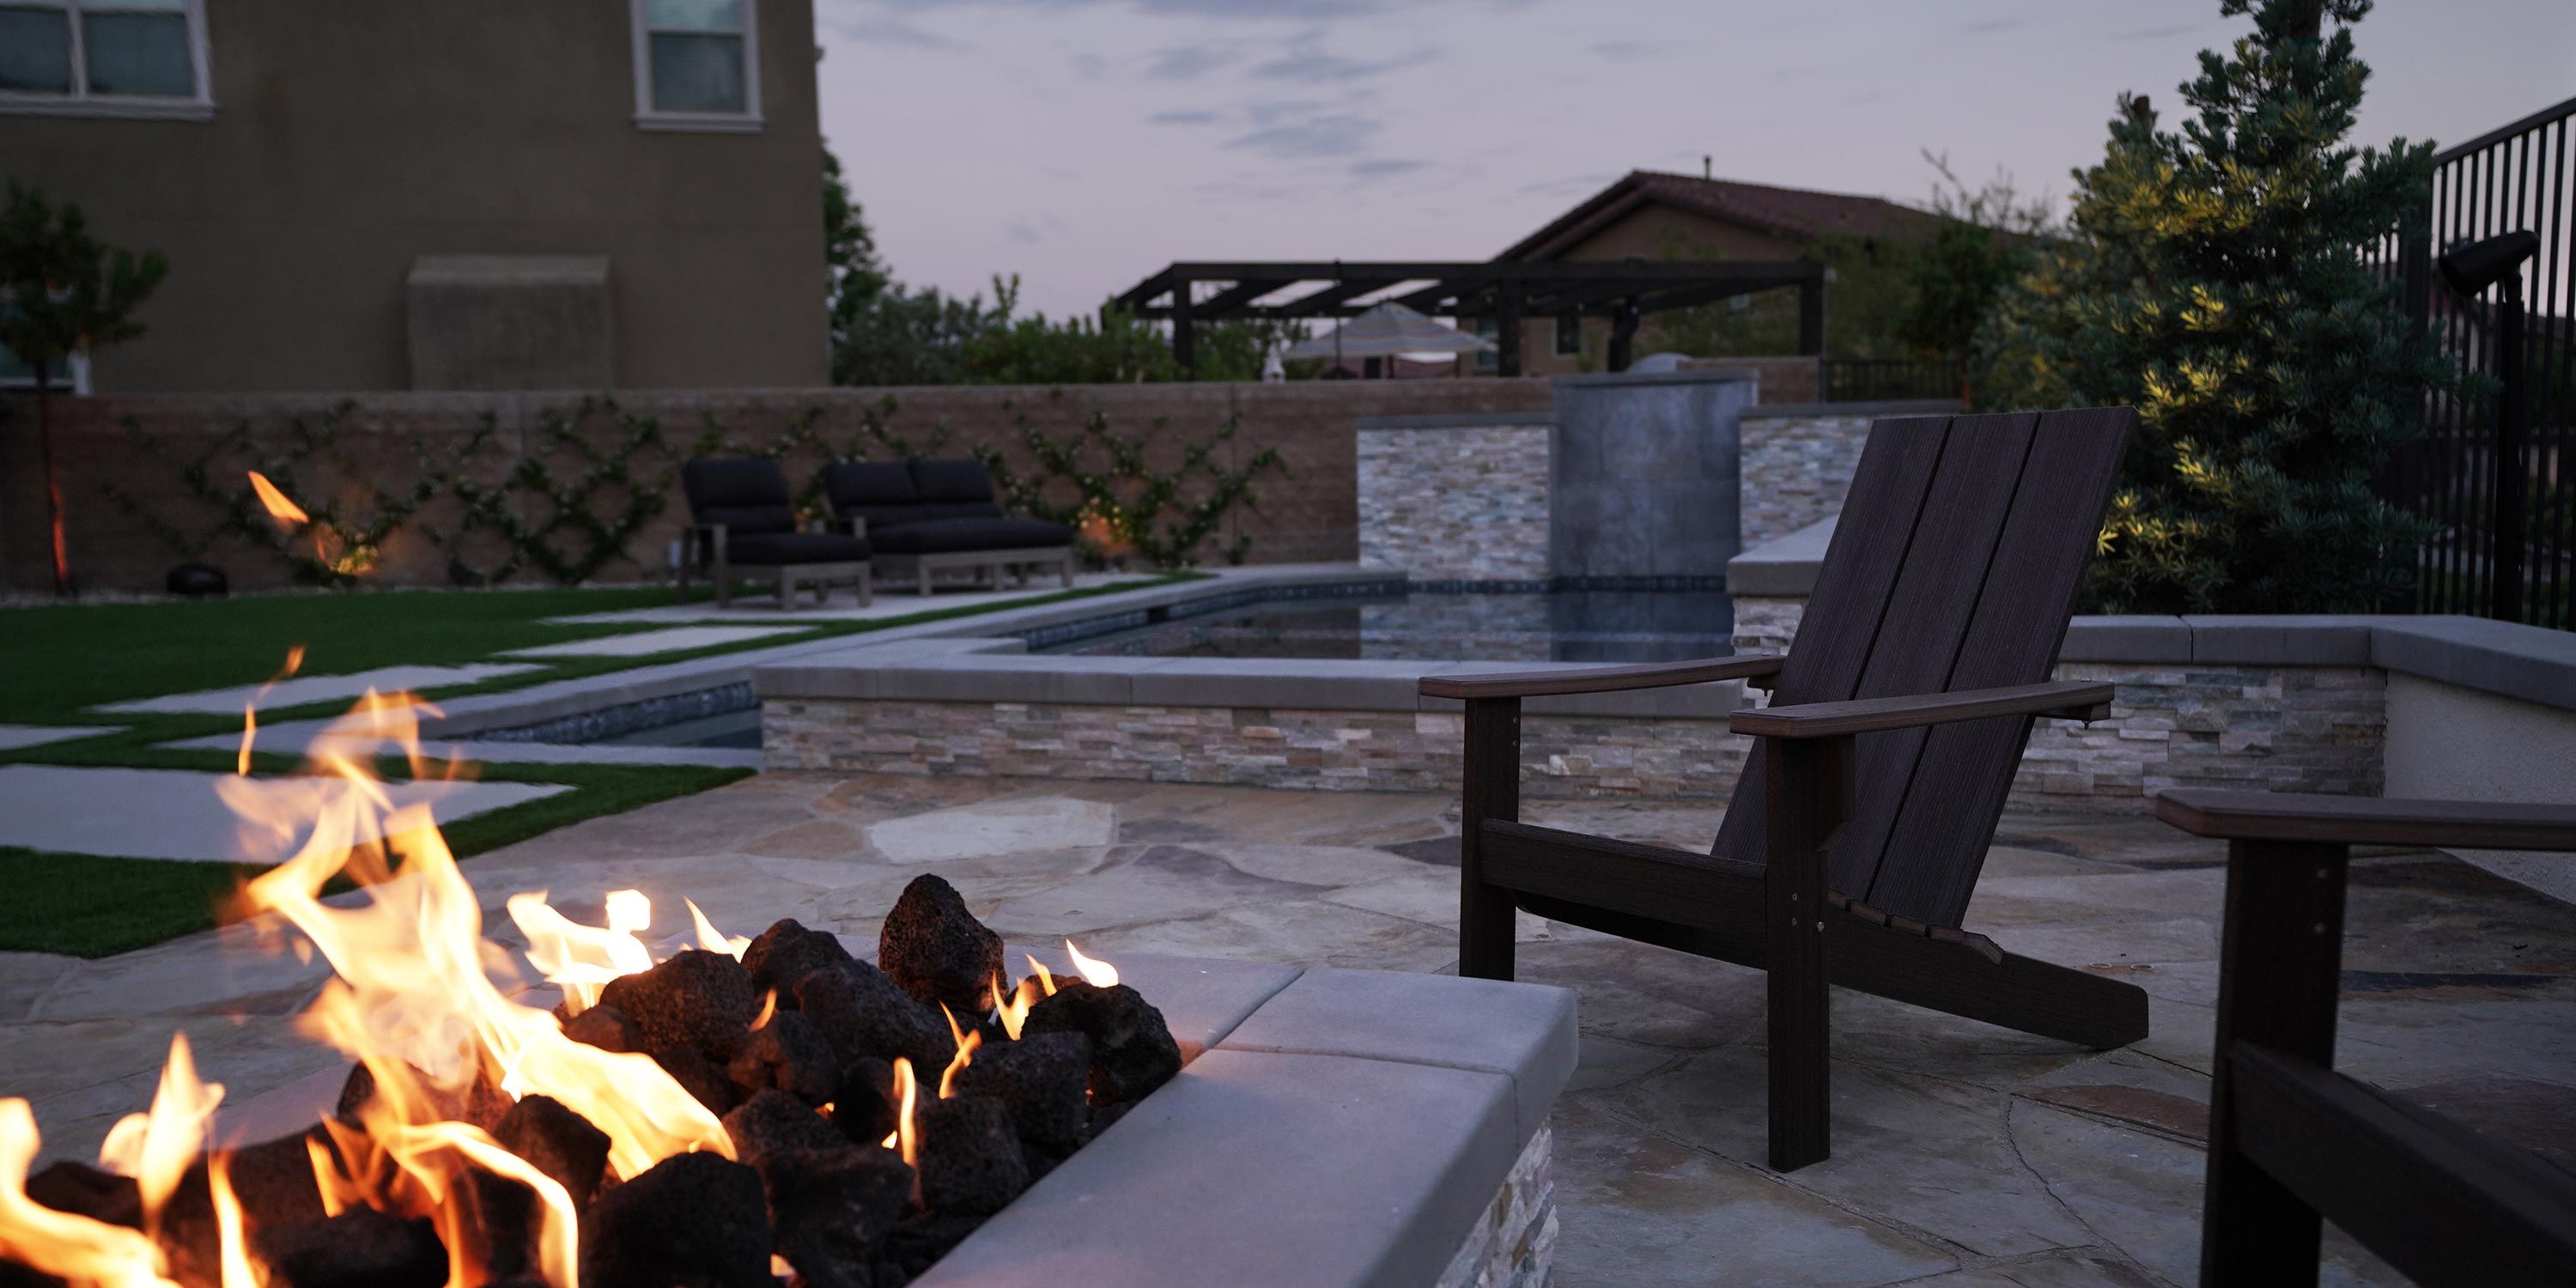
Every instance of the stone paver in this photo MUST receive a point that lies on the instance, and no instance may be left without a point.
(320, 688)
(13, 737)
(843, 606)
(647, 643)
(1966, 1155)
(176, 814)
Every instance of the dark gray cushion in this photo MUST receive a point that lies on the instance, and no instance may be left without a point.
(772, 549)
(952, 536)
(952, 482)
(856, 486)
(745, 493)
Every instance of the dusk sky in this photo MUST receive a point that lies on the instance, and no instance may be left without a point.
(1086, 143)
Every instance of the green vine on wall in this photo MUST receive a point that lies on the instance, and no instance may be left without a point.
(1122, 503)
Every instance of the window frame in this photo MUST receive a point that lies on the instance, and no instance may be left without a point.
(147, 107)
(647, 117)
(78, 365)
(1568, 340)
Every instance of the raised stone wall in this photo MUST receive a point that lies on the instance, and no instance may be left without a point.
(1451, 501)
(1561, 756)
(1514, 1242)
(1797, 467)
(2249, 728)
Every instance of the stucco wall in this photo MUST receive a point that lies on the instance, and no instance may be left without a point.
(348, 139)
(2447, 742)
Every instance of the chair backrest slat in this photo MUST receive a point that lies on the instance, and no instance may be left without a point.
(1954, 566)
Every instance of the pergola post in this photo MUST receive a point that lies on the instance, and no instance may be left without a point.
(1185, 340)
(1811, 316)
(1507, 323)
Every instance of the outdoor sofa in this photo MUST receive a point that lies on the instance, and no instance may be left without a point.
(741, 517)
(921, 518)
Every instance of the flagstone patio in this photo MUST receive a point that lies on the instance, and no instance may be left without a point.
(1965, 1155)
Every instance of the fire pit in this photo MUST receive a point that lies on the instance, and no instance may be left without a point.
(792, 1105)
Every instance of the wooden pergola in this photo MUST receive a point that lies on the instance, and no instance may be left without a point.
(1505, 292)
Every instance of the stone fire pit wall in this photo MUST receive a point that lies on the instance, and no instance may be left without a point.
(1332, 1129)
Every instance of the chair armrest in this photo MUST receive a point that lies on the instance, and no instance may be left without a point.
(2066, 699)
(2365, 820)
(1601, 679)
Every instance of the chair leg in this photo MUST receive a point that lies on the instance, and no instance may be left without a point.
(2277, 988)
(1491, 791)
(1066, 564)
(724, 582)
(786, 589)
(1802, 800)
(867, 588)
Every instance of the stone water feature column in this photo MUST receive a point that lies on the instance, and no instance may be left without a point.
(1645, 479)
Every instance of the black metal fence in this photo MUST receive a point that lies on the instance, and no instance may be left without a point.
(2505, 511)
(1881, 380)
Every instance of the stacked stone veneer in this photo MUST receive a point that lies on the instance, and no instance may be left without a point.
(1456, 502)
(1514, 1242)
(1561, 756)
(1797, 466)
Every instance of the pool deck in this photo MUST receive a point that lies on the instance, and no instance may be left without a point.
(1966, 1156)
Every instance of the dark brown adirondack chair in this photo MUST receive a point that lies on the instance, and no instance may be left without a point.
(1897, 720)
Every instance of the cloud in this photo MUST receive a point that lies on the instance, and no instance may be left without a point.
(1184, 118)
(1306, 62)
(1989, 26)
(1268, 112)
(1026, 233)
(882, 30)
(1187, 62)
(1339, 134)
(1383, 167)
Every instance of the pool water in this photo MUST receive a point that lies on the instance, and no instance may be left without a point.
(1552, 626)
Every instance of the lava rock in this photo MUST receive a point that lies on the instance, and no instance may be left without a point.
(833, 1209)
(970, 1156)
(1040, 1079)
(700, 1077)
(693, 1219)
(273, 1181)
(480, 1102)
(1132, 1051)
(360, 1248)
(937, 951)
(558, 1142)
(604, 1027)
(786, 953)
(790, 1054)
(866, 1109)
(918, 1242)
(694, 998)
(774, 1121)
(83, 1190)
(861, 1012)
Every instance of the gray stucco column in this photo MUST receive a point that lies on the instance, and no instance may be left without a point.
(1644, 480)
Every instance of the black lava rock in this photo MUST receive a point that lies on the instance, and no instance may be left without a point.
(920, 1240)
(862, 1013)
(936, 949)
(694, 1220)
(481, 1102)
(83, 1190)
(773, 1121)
(786, 953)
(833, 1209)
(360, 1248)
(866, 1109)
(558, 1142)
(790, 1054)
(970, 1156)
(1040, 1079)
(604, 1027)
(700, 1077)
(1132, 1051)
(695, 999)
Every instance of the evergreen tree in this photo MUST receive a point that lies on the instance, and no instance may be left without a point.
(2214, 280)
(853, 275)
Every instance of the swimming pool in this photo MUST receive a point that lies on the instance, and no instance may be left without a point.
(1563, 625)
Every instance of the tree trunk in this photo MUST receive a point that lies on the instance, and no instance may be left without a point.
(53, 482)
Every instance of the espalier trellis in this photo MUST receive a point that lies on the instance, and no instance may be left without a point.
(594, 478)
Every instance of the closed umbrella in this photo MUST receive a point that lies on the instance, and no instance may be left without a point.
(1387, 330)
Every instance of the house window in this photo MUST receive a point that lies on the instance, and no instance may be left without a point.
(1491, 332)
(1569, 334)
(67, 376)
(696, 65)
(104, 58)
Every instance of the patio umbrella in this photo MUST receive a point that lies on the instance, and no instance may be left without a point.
(1386, 330)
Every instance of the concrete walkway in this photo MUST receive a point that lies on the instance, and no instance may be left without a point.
(1966, 1156)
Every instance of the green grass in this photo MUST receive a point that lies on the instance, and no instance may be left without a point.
(58, 660)
(92, 906)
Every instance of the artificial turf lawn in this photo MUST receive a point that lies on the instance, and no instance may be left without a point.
(57, 660)
(91, 906)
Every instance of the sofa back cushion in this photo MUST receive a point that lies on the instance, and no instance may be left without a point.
(958, 489)
(744, 493)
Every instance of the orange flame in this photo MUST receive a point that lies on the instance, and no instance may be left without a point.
(1013, 1011)
(231, 1253)
(157, 1148)
(714, 940)
(288, 514)
(582, 959)
(966, 1044)
(1046, 978)
(250, 709)
(906, 1090)
(76, 1248)
(1097, 973)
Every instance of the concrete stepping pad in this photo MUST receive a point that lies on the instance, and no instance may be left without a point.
(176, 813)
(13, 737)
(647, 643)
(321, 688)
